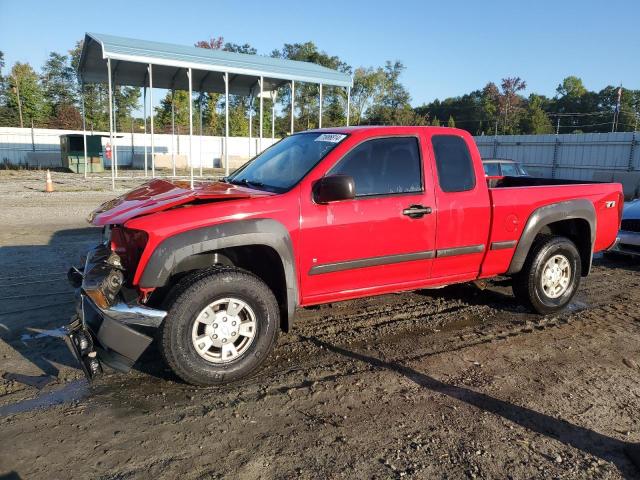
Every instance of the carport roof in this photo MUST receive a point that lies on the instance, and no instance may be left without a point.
(130, 58)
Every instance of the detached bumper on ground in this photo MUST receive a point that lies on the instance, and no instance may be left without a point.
(112, 335)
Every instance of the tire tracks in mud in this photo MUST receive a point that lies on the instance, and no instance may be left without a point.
(316, 366)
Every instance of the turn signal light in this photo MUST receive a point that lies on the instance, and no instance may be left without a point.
(98, 298)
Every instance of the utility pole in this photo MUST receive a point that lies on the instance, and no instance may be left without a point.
(17, 92)
(616, 112)
(558, 126)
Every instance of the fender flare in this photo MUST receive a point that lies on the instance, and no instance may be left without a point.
(172, 250)
(543, 216)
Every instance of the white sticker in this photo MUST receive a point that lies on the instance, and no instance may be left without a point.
(330, 137)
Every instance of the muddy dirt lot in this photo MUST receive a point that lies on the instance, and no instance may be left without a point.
(451, 383)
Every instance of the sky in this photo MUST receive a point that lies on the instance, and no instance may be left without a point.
(448, 48)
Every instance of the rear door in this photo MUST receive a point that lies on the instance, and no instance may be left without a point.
(379, 239)
(463, 208)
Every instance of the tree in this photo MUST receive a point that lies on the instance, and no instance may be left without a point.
(58, 80)
(95, 95)
(307, 94)
(25, 98)
(212, 44)
(451, 123)
(511, 103)
(391, 108)
(536, 121)
(368, 87)
(571, 87)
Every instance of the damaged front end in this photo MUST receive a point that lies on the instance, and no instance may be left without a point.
(110, 323)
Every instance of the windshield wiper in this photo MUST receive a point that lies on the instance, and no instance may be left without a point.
(248, 183)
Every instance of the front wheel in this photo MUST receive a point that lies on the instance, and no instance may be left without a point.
(221, 325)
(550, 276)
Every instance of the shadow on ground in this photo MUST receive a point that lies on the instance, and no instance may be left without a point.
(607, 448)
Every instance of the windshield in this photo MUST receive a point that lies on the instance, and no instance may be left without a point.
(281, 166)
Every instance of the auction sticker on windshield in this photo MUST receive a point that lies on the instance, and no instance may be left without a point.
(330, 137)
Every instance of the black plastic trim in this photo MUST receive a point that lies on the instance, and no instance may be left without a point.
(370, 262)
(171, 251)
(450, 252)
(543, 216)
(503, 245)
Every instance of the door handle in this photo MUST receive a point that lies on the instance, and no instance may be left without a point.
(416, 211)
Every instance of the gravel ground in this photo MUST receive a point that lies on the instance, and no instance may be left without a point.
(451, 383)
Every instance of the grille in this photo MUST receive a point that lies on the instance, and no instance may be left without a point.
(630, 225)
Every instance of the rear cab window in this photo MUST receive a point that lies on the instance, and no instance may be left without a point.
(383, 166)
(492, 169)
(453, 163)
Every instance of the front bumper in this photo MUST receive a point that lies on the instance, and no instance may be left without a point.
(113, 335)
(627, 243)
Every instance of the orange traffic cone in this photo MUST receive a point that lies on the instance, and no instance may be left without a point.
(49, 186)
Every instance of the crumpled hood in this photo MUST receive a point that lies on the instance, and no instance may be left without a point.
(159, 194)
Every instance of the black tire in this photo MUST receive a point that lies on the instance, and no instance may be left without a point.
(193, 294)
(528, 283)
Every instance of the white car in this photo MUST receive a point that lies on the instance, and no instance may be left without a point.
(628, 241)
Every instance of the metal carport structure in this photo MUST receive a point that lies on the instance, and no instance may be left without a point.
(140, 63)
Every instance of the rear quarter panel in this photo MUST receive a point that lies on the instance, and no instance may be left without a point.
(512, 207)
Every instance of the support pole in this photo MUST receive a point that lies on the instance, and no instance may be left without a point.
(320, 115)
(293, 99)
(261, 100)
(274, 93)
(250, 122)
(190, 125)
(153, 150)
(173, 132)
(200, 98)
(84, 130)
(113, 177)
(144, 121)
(348, 104)
(114, 148)
(226, 124)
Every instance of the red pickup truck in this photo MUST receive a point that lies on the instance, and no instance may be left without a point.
(322, 216)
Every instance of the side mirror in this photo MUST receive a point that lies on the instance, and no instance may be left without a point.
(333, 189)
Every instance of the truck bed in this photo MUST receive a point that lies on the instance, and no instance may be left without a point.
(506, 182)
(514, 199)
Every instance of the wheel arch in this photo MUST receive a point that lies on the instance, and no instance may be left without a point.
(575, 219)
(262, 246)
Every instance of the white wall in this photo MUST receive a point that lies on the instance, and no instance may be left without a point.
(18, 146)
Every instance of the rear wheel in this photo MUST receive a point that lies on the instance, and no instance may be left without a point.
(221, 325)
(550, 276)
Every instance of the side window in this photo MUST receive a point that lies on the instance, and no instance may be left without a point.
(492, 169)
(510, 170)
(383, 166)
(453, 162)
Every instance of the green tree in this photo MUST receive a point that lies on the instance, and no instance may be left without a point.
(451, 123)
(58, 80)
(307, 94)
(368, 87)
(391, 108)
(536, 121)
(25, 98)
(571, 87)
(95, 95)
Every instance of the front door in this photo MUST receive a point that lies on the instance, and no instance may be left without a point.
(382, 238)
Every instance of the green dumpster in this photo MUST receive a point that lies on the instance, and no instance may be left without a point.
(72, 150)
